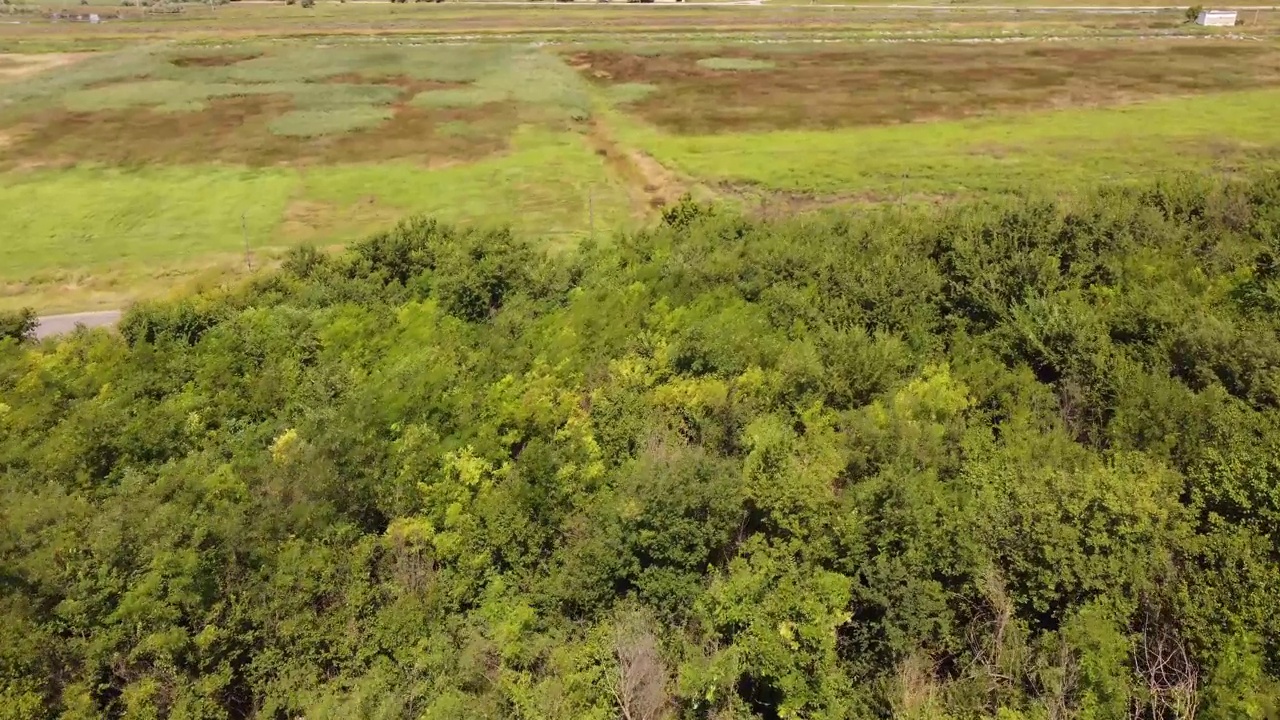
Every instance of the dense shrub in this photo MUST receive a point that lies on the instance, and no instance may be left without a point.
(18, 325)
(1010, 460)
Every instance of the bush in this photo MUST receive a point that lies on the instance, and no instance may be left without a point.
(303, 261)
(308, 3)
(19, 325)
(1193, 12)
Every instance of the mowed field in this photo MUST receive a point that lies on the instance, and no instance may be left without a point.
(134, 163)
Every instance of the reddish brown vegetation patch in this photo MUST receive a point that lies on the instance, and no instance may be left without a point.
(212, 60)
(237, 130)
(876, 85)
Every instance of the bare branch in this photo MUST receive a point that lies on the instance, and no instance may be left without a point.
(1169, 674)
(641, 687)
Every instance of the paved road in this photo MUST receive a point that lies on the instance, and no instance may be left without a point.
(51, 325)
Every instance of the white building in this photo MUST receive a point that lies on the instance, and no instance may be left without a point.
(1217, 18)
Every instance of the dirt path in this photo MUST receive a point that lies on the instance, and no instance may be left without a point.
(649, 185)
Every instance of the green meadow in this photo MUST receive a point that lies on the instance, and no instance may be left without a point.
(1062, 149)
(132, 173)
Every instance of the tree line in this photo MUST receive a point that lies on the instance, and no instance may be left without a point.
(1011, 459)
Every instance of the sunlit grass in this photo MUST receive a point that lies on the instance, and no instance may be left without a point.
(623, 93)
(549, 186)
(1057, 149)
(144, 216)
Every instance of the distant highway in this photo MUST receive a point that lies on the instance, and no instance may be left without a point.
(51, 325)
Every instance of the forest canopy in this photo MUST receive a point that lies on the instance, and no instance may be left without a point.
(1012, 459)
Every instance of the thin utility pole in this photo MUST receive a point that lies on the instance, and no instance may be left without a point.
(244, 228)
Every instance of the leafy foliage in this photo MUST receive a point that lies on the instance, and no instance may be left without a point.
(19, 325)
(1013, 460)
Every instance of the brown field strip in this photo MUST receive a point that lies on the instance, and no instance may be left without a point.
(888, 84)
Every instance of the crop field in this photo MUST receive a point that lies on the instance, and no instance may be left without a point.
(148, 153)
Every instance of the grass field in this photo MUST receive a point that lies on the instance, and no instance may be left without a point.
(197, 147)
(1055, 150)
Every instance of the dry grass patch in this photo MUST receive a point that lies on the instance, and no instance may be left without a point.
(240, 130)
(880, 85)
(14, 66)
(311, 221)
